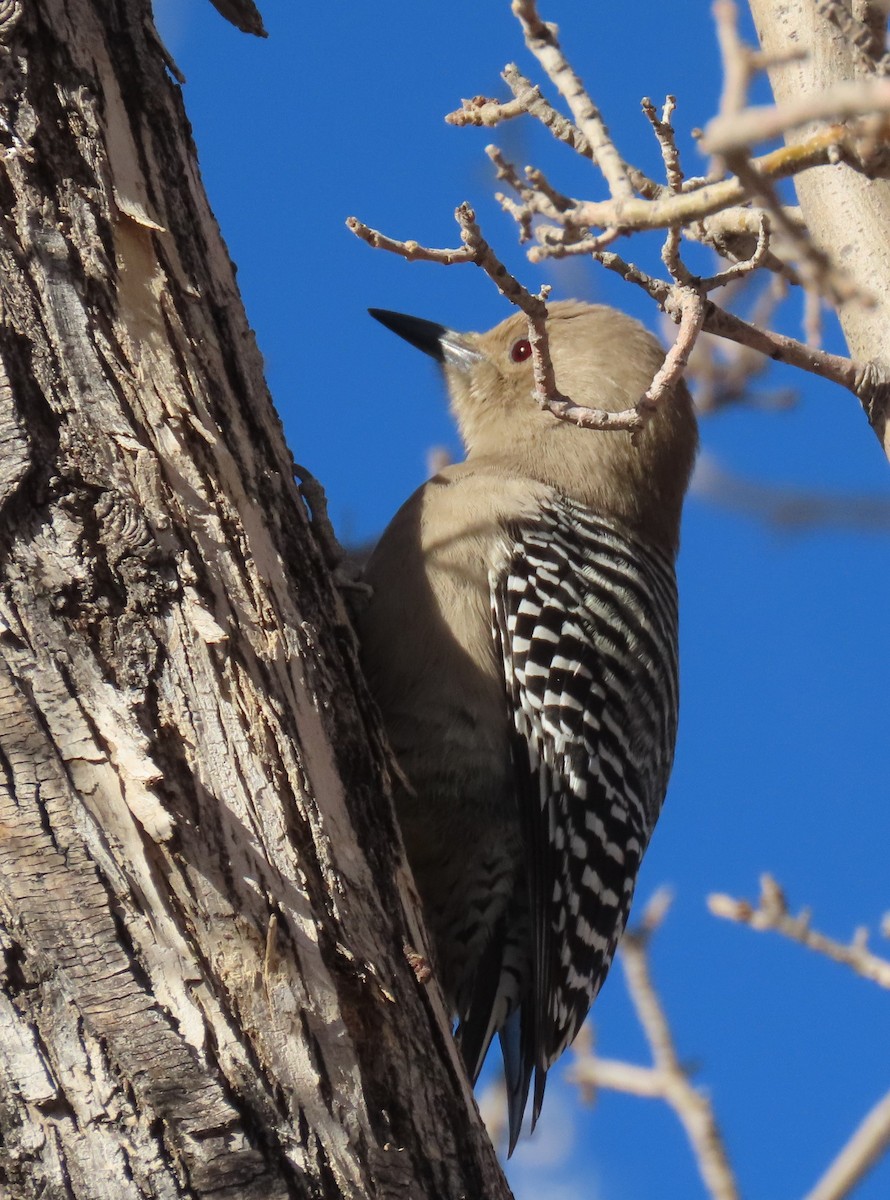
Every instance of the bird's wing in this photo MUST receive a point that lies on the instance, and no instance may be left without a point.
(585, 617)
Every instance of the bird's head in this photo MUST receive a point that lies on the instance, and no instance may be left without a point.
(602, 359)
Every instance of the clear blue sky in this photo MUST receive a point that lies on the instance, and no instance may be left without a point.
(780, 764)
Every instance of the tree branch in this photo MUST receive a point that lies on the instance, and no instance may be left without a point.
(771, 913)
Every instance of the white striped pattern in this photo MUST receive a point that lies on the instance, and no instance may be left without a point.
(585, 616)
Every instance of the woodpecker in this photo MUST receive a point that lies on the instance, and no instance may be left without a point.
(521, 643)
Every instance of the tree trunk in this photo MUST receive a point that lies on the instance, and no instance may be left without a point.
(847, 214)
(203, 903)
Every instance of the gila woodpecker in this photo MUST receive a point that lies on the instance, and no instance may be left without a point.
(521, 642)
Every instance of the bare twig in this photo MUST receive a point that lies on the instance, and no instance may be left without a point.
(845, 371)
(735, 57)
(530, 99)
(869, 1143)
(771, 913)
(542, 41)
(761, 123)
(686, 306)
(747, 266)
(411, 250)
(479, 110)
(679, 208)
(665, 1079)
(740, 62)
(721, 372)
(664, 131)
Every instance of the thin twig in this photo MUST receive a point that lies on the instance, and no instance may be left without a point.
(687, 307)
(771, 913)
(666, 1078)
(411, 250)
(531, 100)
(869, 1142)
(747, 266)
(477, 250)
(762, 123)
(679, 208)
(664, 132)
(845, 371)
(542, 41)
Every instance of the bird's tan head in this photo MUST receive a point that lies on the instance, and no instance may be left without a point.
(602, 359)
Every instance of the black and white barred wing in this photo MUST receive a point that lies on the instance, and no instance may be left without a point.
(586, 617)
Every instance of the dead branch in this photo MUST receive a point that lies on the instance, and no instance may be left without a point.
(868, 1143)
(771, 913)
(762, 123)
(541, 39)
(666, 1079)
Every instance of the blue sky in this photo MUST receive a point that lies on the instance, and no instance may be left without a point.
(784, 635)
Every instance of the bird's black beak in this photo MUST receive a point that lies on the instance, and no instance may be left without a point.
(441, 343)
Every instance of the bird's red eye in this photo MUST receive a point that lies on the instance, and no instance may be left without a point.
(521, 350)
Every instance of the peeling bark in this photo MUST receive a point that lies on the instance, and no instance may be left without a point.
(203, 905)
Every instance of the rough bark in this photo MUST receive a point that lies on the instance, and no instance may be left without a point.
(847, 214)
(203, 907)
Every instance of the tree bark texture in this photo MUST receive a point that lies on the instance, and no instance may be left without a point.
(847, 214)
(203, 903)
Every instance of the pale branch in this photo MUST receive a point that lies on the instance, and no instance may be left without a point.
(854, 376)
(746, 266)
(558, 247)
(532, 101)
(723, 372)
(680, 208)
(869, 1142)
(686, 306)
(410, 250)
(534, 306)
(761, 123)
(667, 142)
(665, 1079)
(735, 57)
(539, 181)
(740, 62)
(541, 39)
(481, 111)
(771, 913)
(537, 199)
(732, 234)
(817, 270)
